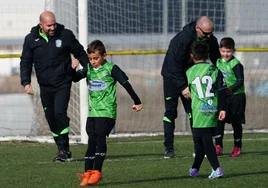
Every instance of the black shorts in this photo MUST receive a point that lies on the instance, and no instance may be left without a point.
(236, 106)
(101, 126)
(201, 132)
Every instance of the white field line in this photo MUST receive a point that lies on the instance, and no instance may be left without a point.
(132, 158)
(76, 139)
(177, 140)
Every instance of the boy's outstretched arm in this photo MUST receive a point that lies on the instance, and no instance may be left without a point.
(137, 102)
(122, 78)
(80, 74)
(221, 87)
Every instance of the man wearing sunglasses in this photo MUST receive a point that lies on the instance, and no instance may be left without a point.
(175, 65)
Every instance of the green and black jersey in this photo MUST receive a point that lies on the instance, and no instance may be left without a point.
(102, 89)
(227, 69)
(202, 78)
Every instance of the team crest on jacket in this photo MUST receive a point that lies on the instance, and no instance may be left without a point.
(58, 43)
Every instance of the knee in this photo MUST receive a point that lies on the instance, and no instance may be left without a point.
(171, 115)
(61, 116)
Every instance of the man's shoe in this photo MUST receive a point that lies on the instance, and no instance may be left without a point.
(193, 172)
(69, 156)
(95, 177)
(236, 152)
(216, 173)
(219, 150)
(84, 177)
(63, 156)
(169, 154)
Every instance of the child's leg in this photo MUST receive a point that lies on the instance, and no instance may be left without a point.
(210, 151)
(92, 143)
(238, 131)
(219, 133)
(199, 152)
(103, 129)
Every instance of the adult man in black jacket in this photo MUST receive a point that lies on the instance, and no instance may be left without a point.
(48, 47)
(176, 62)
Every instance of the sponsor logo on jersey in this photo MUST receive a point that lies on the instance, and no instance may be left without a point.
(207, 107)
(58, 43)
(225, 74)
(97, 85)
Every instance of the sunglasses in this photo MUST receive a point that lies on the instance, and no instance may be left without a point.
(205, 33)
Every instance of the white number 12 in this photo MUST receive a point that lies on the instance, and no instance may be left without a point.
(205, 80)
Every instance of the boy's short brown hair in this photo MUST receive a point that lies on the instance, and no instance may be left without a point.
(96, 45)
(228, 43)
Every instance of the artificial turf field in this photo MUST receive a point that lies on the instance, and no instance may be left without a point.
(134, 162)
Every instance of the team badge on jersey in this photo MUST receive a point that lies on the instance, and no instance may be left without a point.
(104, 74)
(58, 43)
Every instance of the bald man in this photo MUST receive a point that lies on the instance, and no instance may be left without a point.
(175, 65)
(48, 47)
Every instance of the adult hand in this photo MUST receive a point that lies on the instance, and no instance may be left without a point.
(75, 63)
(222, 115)
(186, 93)
(28, 89)
(137, 107)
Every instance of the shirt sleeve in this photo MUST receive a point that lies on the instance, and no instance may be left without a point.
(214, 50)
(122, 78)
(26, 63)
(78, 51)
(177, 59)
(221, 85)
(119, 75)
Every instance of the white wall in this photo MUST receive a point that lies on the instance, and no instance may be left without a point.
(17, 17)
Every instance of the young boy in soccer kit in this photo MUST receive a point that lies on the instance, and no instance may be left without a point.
(207, 94)
(233, 73)
(102, 77)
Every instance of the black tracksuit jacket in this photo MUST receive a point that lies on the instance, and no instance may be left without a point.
(52, 59)
(177, 59)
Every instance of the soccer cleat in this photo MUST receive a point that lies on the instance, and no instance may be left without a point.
(169, 154)
(84, 177)
(69, 156)
(63, 156)
(193, 172)
(219, 150)
(216, 173)
(95, 177)
(236, 152)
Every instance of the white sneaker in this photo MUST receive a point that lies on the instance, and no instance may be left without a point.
(216, 173)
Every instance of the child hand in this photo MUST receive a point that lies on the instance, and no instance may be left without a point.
(137, 107)
(228, 91)
(75, 63)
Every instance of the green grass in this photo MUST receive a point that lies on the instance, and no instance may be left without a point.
(134, 162)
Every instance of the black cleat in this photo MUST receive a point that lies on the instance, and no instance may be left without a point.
(63, 156)
(169, 154)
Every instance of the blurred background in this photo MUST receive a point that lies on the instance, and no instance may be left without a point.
(136, 34)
